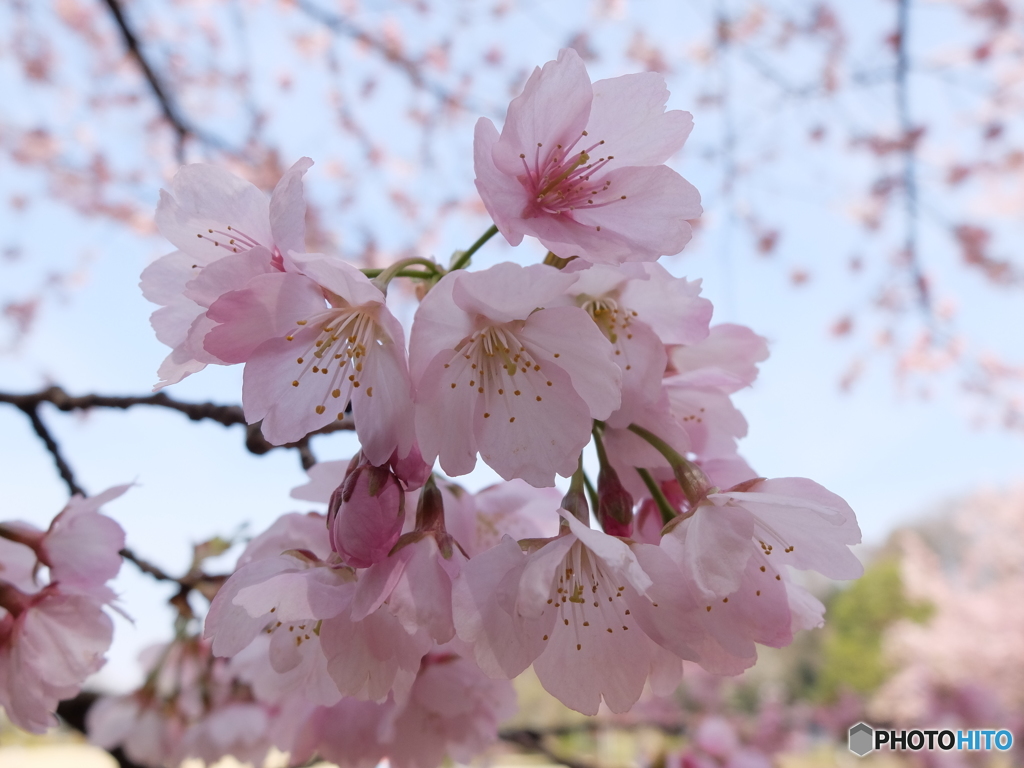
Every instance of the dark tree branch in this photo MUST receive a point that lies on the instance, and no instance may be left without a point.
(227, 415)
(32, 411)
(147, 567)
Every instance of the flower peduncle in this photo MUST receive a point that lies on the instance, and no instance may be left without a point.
(690, 477)
(462, 259)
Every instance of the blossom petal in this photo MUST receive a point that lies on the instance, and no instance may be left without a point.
(567, 338)
(553, 109)
(629, 115)
(288, 209)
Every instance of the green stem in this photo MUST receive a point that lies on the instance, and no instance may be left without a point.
(465, 256)
(602, 456)
(384, 276)
(691, 478)
(667, 513)
(591, 492)
(423, 275)
(575, 501)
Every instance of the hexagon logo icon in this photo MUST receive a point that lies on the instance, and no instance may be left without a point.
(862, 737)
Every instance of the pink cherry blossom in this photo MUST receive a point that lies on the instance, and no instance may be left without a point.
(496, 375)
(313, 343)
(572, 605)
(53, 635)
(190, 705)
(83, 547)
(414, 584)
(226, 231)
(290, 531)
(788, 521)
(513, 508)
(452, 710)
(304, 607)
(640, 308)
(580, 166)
(49, 643)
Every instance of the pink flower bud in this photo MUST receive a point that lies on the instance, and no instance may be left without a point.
(614, 504)
(366, 515)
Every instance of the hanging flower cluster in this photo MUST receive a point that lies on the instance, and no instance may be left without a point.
(392, 626)
(54, 631)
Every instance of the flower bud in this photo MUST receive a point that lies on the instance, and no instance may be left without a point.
(614, 504)
(412, 471)
(365, 515)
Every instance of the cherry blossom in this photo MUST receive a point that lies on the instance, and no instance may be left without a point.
(49, 643)
(580, 167)
(570, 605)
(190, 705)
(495, 376)
(313, 343)
(787, 521)
(226, 231)
(641, 308)
(452, 709)
(53, 634)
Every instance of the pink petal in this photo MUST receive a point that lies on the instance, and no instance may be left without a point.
(651, 221)
(629, 114)
(268, 307)
(509, 291)
(383, 406)
(504, 197)
(230, 273)
(340, 277)
(536, 433)
(670, 305)
(502, 645)
(552, 109)
(208, 197)
(288, 209)
(566, 337)
(712, 548)
(727, 359)
(436, 327)
(445, 419)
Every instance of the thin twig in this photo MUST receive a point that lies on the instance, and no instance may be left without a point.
(227, 415)
(32, 411)
(147, 567)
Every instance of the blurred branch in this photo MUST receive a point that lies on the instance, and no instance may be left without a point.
(31, 409)
(227, 415)
(339, 25)
(182, 127)
(909, 141)
(533, 741)
(147, 567)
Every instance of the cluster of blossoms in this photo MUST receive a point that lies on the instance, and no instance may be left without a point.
(54, 632)
(391, 626)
